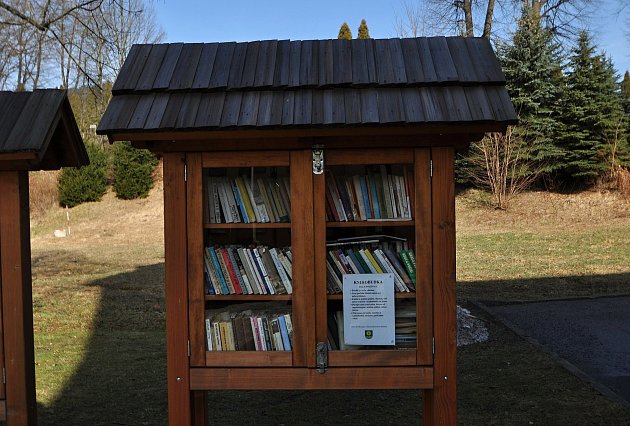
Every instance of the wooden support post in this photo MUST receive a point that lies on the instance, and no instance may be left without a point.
(17, 310)
(440, 403)
(176, 281)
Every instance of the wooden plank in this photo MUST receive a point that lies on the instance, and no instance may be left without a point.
(151, 67)
(360, 73)
(457, 103)
(426, 59)
(309, 56)
(249, 358)
(338, 107)
(221, 67)
(3, 394)
(317, 117)
(429, 105)
(488, 60)
(141, 112)
(439, 101)
(249, 109)
(163, 78)
(123, 113)
(320, 301)
(171, 112)
(288, 108)
(303, 310)
(369, 106)
(277, 105)
(372, 358)
(390, 106)
(461, 59)
(311, 379)
(231, 109)
(11, 104)
(237, 66)
(3, 410)
(176, 273)
(246, 159)
(501, 103)
(352, 102)
(210, 110)
(20, 137)
(370, 60)
(442, 62)
(265, 104)
(325, 63)
(250, 65)
(266, 65)
(397, 61)
(282, 67)
(339, 157)
(413, 65)
(342, 62)
(205, 66)
(414, 113)
(132, 76)
(421, 193)
(441, 402)
(15, 263)
(157, 111)
(126, 69)
(303, 107)
(384, 66)
(196, 288)
(188, 111)
(184, 73)
(294, 63)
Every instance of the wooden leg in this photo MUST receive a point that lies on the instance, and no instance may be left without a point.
(17, 299)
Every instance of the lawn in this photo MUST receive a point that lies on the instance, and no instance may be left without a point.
(99, 318)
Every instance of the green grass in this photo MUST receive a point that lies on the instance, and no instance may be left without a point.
(99, 325)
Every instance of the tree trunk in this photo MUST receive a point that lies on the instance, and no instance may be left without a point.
(487, 25)
(468, 18)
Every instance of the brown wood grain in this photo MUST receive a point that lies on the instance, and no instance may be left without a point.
(366, 156)
(319, 255)
(2, 387)
(176, 280)
(308, 378)
(246, 159)
(196, 287)
(15, 262)
(441, 402)
(424, 255)
(250, 358)
(371, 358)
(303, 262)
(3, 410)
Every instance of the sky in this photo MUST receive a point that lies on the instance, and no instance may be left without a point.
(245, 20)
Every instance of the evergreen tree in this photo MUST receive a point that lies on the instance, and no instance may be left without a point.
(87, 183)
(363, 33)
(132, 171)
(533, 72)
(344, 32)
(593, 115)
(625, 92)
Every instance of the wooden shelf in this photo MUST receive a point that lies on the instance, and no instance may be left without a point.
(248, 297)
(371, 223)
(410, 295)
(249, 358)
(275, 225)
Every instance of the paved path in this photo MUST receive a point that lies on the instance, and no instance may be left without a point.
(591, 334)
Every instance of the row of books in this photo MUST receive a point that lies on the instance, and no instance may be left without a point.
(243, 199)
(248, 270)
(378, 195)
(249, 331)
(405, 324)
(365, 259)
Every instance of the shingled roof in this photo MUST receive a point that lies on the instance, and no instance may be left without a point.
(312, 83)
(38, 131)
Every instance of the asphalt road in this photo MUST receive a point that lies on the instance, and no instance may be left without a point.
(590, 336)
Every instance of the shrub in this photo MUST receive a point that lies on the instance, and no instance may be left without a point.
(132, 171)
(87, 183)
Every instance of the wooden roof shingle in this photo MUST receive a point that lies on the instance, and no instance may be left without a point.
(295, 84)
(38, 131)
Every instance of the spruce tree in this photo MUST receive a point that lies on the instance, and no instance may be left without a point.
(592, 114)
(363, 32)
(625, 92)
(533, 71)
(87, 183)
(344, 32)
(132, 171)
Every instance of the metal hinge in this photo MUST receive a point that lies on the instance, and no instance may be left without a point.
(185, 173)
(321, 355)
(433, 345)
(318, 159)
(431, 168)
(4, 376)
(188, 348)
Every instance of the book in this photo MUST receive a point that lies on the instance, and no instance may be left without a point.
(246, 199)
(272, 272)
(273, 214)
(286, 282)
(240, 202)
(217, 267)
(284, 332)
(233, 283)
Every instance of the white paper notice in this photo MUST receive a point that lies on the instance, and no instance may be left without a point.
(368, 309)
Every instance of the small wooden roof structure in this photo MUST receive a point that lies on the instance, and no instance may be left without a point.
(38, 131)
(444, 83)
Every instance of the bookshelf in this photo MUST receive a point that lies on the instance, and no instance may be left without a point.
(353, 143)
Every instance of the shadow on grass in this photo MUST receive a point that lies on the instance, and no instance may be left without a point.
(121, 379)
